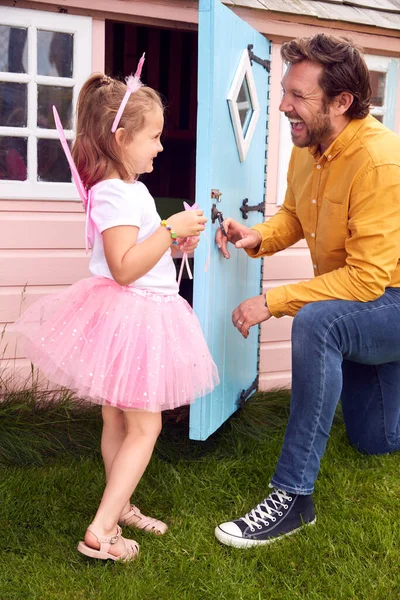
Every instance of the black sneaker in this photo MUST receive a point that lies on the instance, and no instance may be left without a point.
(280, 514)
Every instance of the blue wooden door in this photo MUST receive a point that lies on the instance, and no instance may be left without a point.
(223, 38)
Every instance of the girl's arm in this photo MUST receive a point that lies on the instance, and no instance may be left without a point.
(129, 261)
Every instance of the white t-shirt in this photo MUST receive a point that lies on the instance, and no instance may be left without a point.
(114, 203)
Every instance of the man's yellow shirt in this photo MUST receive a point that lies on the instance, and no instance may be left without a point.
(346, 204)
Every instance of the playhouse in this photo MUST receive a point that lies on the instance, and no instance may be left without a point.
(226, 146)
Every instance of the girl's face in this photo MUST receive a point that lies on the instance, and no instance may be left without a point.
(146, 144)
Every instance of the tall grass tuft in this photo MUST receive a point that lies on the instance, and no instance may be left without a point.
(39, 423)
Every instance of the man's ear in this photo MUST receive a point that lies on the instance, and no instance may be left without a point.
(343, 102)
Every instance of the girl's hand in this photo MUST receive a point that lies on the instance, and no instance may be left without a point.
(188, 223)
(189, 245)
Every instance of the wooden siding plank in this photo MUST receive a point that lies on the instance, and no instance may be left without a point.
(17, 374)
(41, 230)
(43, 206)
(14, 300)
(274, 381)
(290, 264)
(275, 330)
(276, 357)
(10, 348)
(44, 267)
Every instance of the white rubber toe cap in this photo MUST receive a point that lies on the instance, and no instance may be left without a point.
(229, 528)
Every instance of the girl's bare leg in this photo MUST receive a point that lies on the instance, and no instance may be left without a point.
(127, 468)
(114, 432)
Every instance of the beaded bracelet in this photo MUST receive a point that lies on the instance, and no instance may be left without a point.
(173, 234)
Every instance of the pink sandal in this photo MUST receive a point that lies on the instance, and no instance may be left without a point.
(134, 518)
(130, 552)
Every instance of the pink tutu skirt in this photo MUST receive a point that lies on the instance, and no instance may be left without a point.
(119, 346)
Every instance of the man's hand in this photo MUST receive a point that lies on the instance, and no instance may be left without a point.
(250, 312)
(238, 234)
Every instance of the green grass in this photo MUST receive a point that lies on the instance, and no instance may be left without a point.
(51, 480)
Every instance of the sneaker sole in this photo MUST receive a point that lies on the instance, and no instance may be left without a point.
(229, 540)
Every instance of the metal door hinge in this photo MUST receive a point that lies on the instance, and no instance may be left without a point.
(245, 208)
(260, 61)
(246, 393)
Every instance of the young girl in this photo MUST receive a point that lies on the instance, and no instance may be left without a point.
(123, 338)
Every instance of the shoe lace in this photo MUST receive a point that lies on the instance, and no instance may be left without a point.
(265, 512)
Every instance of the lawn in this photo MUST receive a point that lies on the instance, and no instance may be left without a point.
(52, 479)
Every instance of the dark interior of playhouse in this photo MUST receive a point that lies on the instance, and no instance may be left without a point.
(171, 69)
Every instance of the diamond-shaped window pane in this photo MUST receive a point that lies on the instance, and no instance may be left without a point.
(243, 105)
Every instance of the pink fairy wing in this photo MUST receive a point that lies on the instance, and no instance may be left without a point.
(83, 194)
(74, 171)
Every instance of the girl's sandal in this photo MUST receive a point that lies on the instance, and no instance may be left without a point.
(130, 552)
(134, 518)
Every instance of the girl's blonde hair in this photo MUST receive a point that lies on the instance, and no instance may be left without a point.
(95, 151)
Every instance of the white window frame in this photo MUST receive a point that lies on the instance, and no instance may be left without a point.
(381, 65)
(81, 28)
(243, 70)
(374, 63)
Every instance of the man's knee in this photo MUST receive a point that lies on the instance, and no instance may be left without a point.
(371, 442)
(310, 319)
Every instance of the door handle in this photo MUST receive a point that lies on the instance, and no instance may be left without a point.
(216, 215)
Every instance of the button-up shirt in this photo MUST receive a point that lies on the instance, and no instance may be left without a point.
(346, 204)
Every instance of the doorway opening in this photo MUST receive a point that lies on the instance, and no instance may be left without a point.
(171, 69)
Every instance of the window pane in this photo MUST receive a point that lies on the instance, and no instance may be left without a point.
(378, 83)
(61, 97)
(54, 53)
(13, 152)
(13, 49)
(244, 105)
(52, 164)
(13, 104)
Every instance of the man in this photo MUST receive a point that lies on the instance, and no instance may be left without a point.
(343, 197)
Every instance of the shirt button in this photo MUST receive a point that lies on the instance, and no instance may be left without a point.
(315, 266)
(313, 234)
(329, 156)
(318, 166)
(314, 201)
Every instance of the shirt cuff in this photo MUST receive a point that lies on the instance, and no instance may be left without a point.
(276, 302)
(253, 252)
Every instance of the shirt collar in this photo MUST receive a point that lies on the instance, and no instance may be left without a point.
(341, 142)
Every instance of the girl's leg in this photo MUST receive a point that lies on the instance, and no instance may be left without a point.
(127, 468)
(114, 432)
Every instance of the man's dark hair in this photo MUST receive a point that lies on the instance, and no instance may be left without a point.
(344, 68)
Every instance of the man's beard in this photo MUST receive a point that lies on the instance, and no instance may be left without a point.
(319, 129)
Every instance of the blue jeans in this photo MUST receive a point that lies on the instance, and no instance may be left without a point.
(348, 350)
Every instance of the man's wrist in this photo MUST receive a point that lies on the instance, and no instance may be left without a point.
(266, 305)
(259, 241)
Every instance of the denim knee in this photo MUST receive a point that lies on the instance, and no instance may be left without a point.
(308, 321)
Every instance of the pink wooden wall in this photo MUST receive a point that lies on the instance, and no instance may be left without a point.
(41, 242)
(41, 251)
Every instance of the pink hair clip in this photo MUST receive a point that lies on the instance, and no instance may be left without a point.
(133, 83)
